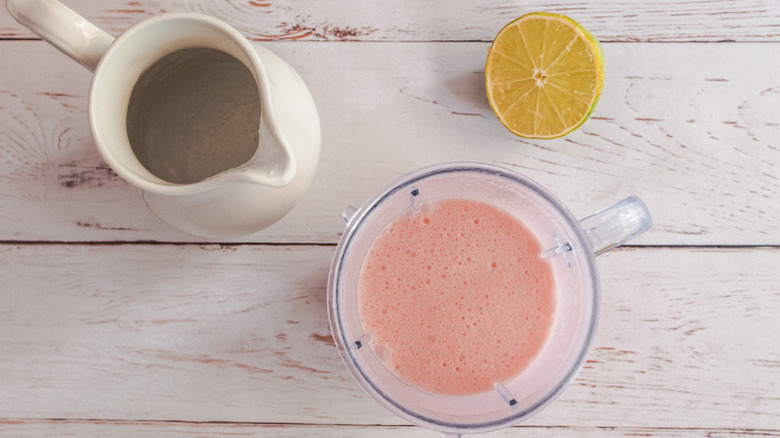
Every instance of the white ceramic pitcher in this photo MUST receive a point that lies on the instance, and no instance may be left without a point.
(237, 201)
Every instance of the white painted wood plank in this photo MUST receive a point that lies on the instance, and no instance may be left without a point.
(240, 334)
(442, 20)
(121, 429)
(690, 128)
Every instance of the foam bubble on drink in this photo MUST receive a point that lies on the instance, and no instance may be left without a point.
(456, 296)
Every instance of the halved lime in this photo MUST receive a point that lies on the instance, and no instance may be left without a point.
(544, 75)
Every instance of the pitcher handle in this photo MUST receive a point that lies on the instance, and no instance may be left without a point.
(63, 28)
(616, 224)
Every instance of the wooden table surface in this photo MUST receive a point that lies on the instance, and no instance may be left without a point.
(112, 323)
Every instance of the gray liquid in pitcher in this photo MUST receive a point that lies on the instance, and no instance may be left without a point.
(193, 114)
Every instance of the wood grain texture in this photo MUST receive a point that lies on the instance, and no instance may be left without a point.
(105, 331)
(443, 20)
(690, 128)
(121, 429)
(240, 334)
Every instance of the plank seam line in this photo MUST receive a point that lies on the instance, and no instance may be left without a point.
(602, 41)
(303, 424)
(325, 244)
(154, 243)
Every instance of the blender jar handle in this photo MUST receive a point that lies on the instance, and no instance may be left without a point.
(63, 28)
(616, 224)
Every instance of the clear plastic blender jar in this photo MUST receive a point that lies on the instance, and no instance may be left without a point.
(569, 245)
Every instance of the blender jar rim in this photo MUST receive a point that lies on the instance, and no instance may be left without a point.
(346, 352)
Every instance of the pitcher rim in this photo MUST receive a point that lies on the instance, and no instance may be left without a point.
(259, 71)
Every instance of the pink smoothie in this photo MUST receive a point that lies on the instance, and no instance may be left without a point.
(456, 297)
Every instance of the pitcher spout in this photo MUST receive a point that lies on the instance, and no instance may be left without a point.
(273, 164)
